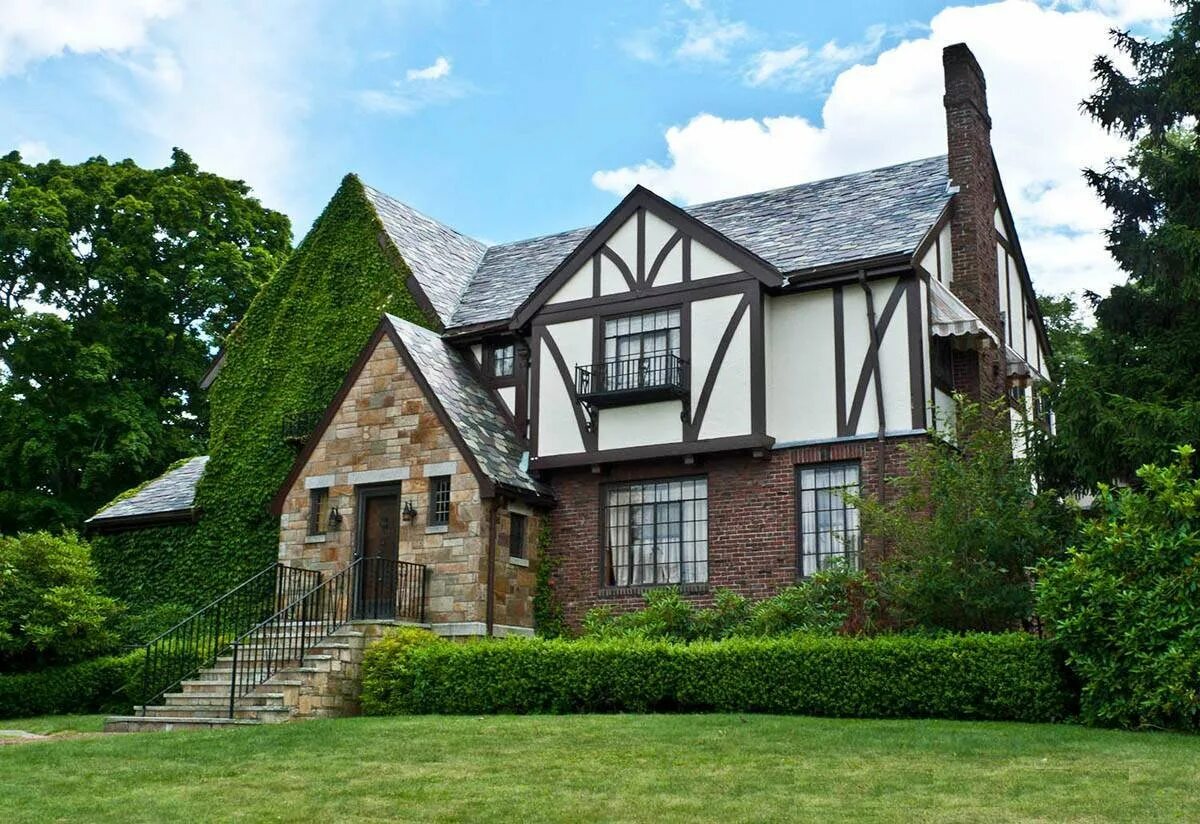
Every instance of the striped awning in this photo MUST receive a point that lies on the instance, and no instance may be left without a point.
(950, 317)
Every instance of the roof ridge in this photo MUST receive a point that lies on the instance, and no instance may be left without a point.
(427, 216)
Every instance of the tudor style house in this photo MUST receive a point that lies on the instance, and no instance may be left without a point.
(673, 397)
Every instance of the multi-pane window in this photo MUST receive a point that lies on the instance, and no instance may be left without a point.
(318, 511)
(641, 350)
(829, 530)
(516, 535)
(504, 361)
(656, 532)
(439, 500)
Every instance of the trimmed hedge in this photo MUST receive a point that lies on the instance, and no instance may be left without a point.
(1003, 677)
(108, 684)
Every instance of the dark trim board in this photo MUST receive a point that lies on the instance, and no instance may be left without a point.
(871, 366)
(635, 204)
(587, 433)
(691, 429)
(667, 450)
(623, 303)
(122, 523)
(916, 352)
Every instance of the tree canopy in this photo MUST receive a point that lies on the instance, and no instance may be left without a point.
(116, 283)
(1131, 392)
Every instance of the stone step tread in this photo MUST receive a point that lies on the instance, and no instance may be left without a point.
(190, 696)
(168, 719)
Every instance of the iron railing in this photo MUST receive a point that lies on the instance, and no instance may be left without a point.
(368, 589)
(198, 640)
(297, 427)
(662, 373)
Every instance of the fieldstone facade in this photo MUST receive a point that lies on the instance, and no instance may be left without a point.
(386, 432)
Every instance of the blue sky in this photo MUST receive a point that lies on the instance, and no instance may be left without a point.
(511, 119)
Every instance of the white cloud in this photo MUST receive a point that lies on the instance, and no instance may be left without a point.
(34, 151)
(33, 30)
(1038, 66)
(799, 67)
(709, 39)
(411, 95)
(438, 70)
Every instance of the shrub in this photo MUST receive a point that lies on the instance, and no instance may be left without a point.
(1013, 677)
(1125, 603)
(834, 600)
(386, 672)
(51, 607)
(963, 527)
(109, 684)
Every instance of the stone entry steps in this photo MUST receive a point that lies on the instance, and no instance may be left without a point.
(325, 682)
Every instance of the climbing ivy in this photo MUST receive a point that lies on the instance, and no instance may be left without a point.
(149, 567)
(289, 354)
(548, 618)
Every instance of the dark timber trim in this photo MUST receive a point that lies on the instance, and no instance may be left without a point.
(587, 434)
(916, 353)
(839, 359)
(692, 429)
(661, 258)
(662, 296)
(635, 453)
(871, 365)
(622, 267)
(1022, 270)
(643, 198)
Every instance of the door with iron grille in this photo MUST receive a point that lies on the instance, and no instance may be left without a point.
(378, 551)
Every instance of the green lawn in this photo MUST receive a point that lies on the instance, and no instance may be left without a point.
(606, 768)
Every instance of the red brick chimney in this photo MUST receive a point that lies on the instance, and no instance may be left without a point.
(972, 231)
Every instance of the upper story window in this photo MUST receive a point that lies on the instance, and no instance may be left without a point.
(641, 360)
(503, 361)
(656, 532)
(829, 530)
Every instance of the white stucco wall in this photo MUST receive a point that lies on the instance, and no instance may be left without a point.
(658, 232)
(893, 359)
(801, 401)
(577, 287)
(508, 394)
(708, 264)
(640, 425)
(558, 433)
(728, 412)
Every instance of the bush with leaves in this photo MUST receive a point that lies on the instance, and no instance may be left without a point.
(962, 527)
(51, 607)
(835, 600)
(386, 670)
(1124, 604)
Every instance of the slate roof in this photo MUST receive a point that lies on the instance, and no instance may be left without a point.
(471, 408)
(441, 259)
(842, 219)
(173, 492)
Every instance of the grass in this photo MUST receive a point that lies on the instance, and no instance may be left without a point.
(608, 768)
(52, 724)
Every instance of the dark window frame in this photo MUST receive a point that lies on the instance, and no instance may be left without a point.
(517, 537)
(318, 497)
(634, 573)
(824, 504)
(508, 359)
(439, 501)
(656, 363)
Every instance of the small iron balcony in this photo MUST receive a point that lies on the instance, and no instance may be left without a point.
(623, 381)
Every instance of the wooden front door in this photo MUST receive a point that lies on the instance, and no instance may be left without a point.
(378, 549)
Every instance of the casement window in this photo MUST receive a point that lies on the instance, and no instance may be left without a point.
(641, 350)
(656, 532)
(503, 361)
(439, 500)
(516, 535)
(828, 522)
(318, 511)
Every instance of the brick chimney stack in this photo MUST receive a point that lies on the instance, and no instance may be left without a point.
(972, 230)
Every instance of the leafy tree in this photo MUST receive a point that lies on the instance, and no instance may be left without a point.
(115, 282)
(51, 607)
(1125, 602)
(962, 527)
(1135, 392)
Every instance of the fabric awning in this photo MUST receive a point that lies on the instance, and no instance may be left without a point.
(950, 317)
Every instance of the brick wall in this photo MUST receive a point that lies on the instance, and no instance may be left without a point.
(972, 229)
(751, 519)
(386, 424)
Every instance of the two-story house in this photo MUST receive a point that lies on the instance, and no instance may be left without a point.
(672, 397)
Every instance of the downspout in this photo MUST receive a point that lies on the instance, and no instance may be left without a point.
(491, 566)
(873, 332)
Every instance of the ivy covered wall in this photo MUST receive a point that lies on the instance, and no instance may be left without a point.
(288, 355)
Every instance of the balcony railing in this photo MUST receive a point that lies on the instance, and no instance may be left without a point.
(639, 379)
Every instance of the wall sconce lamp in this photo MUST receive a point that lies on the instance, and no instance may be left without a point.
(335, 520)
(410, 511)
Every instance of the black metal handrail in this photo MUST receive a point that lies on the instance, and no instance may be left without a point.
(663, 370)
(198, 640)
(368, 589)
(298, 426)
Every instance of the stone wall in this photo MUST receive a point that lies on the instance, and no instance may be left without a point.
(387, 432)
(751, 519)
